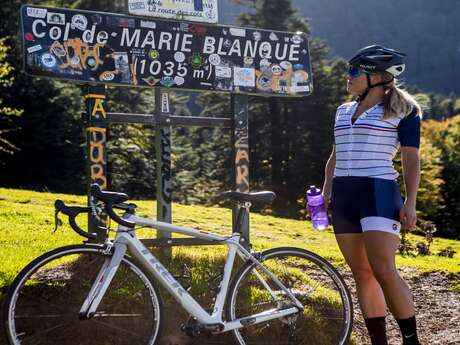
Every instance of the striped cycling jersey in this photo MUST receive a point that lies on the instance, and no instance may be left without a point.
(368, 146)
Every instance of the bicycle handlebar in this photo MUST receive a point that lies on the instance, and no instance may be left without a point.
(72, 212)
(111, 198)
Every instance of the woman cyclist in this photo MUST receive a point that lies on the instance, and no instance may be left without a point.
(360, 181)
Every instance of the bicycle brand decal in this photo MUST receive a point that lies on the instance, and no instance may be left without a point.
(164, 272)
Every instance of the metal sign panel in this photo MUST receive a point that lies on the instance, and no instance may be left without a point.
(97, 47)
(193, 10)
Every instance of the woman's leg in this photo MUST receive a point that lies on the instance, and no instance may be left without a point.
(381, 248)
(370, 295)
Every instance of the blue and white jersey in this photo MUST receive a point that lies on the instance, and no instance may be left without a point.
(368, 146)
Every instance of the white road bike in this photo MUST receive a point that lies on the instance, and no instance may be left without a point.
(107, 293)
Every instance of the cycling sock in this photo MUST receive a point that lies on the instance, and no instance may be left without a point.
(409, 331)
(376, 327)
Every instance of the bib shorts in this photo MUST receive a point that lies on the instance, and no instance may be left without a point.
(362, 204)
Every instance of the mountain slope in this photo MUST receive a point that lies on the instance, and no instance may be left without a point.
(426, 30)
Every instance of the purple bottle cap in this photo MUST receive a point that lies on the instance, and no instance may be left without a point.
(312, 191)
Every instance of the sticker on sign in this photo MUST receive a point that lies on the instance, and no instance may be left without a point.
(193, 10)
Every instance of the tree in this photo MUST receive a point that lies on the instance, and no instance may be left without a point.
(452, 175)
(6, 112)
(49, 140)
(445, 138)
(290, 139)
(50, 136)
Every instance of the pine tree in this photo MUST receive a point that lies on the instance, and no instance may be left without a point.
(6, 112)
(290, 139)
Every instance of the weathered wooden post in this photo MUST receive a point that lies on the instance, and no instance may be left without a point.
(163, 163)
(96, 138)
(240, 154)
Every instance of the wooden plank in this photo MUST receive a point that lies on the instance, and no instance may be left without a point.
(171, 120)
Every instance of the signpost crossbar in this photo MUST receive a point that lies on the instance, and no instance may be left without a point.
(169, 120)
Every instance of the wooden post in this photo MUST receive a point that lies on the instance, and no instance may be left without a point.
(240, 154)
(163, 165)
(96, 138)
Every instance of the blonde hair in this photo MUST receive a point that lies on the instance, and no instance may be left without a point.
(397, 101)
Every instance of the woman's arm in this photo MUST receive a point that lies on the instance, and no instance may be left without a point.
(411, 171)
(328, 175)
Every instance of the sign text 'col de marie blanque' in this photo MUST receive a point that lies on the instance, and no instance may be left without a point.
(99, 47)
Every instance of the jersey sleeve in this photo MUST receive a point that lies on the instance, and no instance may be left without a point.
(409, 130)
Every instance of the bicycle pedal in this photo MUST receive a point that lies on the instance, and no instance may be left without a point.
(191, 329)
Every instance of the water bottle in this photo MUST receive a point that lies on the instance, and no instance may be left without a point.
(317, 208)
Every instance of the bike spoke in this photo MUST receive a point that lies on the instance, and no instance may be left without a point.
(42, 332)
(45, 307)
(102, 314)
(40, 299)
(323, 320)
(123, 330)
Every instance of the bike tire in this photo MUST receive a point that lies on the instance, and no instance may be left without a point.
(43, 302)
(327, 317)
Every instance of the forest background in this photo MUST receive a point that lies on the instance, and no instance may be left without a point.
(42, 143)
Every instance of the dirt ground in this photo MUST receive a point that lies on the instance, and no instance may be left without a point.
(437, 308)
(437, 305)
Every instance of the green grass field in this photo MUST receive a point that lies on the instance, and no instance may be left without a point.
(27, 222)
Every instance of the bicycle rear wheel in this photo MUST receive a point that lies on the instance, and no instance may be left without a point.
(44, 300)
(328, 312)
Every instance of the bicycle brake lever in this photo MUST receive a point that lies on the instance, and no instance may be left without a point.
(57, 221)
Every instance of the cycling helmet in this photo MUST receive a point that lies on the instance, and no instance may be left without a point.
(376, 58)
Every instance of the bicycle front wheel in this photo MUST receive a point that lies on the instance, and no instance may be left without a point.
(327, 315)
(44, 300)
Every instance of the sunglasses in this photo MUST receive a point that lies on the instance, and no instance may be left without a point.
(354, 71)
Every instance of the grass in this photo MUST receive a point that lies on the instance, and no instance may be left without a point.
(27, 223)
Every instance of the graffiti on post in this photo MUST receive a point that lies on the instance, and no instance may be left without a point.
(242, 163)
(97, 140)
(166, 192)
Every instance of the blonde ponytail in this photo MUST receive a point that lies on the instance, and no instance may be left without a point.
(398, 102)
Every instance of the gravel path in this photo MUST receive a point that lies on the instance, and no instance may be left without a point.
(437, 307)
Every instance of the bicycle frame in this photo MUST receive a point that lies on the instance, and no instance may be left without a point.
(125, 239)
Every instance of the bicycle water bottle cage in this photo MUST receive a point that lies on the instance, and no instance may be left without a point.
(264, 197)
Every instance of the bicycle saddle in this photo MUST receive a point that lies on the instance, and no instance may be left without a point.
(263, 197)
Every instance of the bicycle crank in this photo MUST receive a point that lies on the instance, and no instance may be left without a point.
(193, 328)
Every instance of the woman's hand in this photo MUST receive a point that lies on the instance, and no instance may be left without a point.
(408, 216)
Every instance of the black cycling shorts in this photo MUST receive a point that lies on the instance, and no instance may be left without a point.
(364, 203)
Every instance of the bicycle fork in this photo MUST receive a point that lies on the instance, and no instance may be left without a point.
(102, 282)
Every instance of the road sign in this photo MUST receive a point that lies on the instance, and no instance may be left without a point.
(99, 47)
(193, 10)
